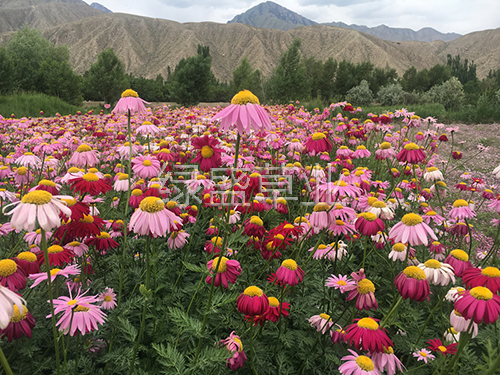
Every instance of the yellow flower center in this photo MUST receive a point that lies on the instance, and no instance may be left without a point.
(151, 205)
(90, 177)
(339, 222)
(104, 235)
(273, 302)
(365, 363)
(207, 152)
(318, 136)
(411, 219)
(87, 219)
(325, 316)
(460, 255)
(21, 171)
(74, 244)
(431, 213)
(340, 183)
(83, 148)
(385, 145)
(55, 249)
(365, 286)
(290, 264)
(17, 316)
(72, 302)
(423, 354)
(288, 226)
(222, 265)
(452, 330)
(321, 207)
(47, 183)
(122, 176)
(368, 323)
(240, 344)
(253, 291)
(481, 293)
(81, 309)
(171, 205)
(432, 169)
(491, 272)
(411, 146)
(137, 192)
(369, 216)
(7, 267)
(399, 247)
(108, 298)
(256, 220)
(70, 202)
(37, 197)
(129, 93)
(147, 163)
(433, 263)
(217, 241)
(389, 350)
(379, 204)
(244, 97)
(460, 203)
(414, 272)
(27, 256)
(442, 348)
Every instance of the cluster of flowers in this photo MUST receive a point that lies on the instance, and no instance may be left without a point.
(379, 172)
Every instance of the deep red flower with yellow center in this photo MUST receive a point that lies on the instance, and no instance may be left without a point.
(89, 183)
(437, 346)
(368, 224)
(58, 256)
(102, 242)
(88, 226)
(366, 334)
(488, 277)
(479, 304)
(318, 143)
(48, 186)
(411, 153)
(12, 276)
(459, 260)
(252, 301)
(20, 324)
(209, 155)
(412, 283)
(28, 262)
(254, 227)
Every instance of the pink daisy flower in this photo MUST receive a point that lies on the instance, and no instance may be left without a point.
(322, 323)
(78, 313)
(7, 301)
(245, 112)
(387, 361)
(146, 166)
(424, 355)
(228, 271)
(461, 210)
(108, 299)
(84, 157)
(147, 128)
(289, 273)
(39, 277)
(459, 260)
(368, 224)
(479, 304)
(367, 335)
(318, 143)
(363, 291)
(37, 206)
(152, 219)
(177, 239)
(358, 365)
(130, 101)
(341, 282)
(29, 160)
(234, 344)
(12, 276)
(412, 229)
(412, 283)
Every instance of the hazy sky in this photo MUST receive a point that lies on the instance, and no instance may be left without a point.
(461, 16)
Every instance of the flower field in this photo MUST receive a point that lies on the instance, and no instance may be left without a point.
(247, 239)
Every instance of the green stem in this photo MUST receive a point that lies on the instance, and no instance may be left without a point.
(428, 320)
(51, 298)
(390, 312)
(141, 331)
(5, 363)
(252, 351)
(462, 342)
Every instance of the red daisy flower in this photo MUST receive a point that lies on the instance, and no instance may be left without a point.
(28, 262)
(367, 335)
(318, 143)
(102, 242)
(276, 309)
(287, 229)
(214, 245)
(78, 209)
(209, 156)
(363, 291)
(88, 226)
(89, 183)
(252, 301)
(228, 271)
(20, 324)
(411, 153)
(412, 283)
(58, 256)
(254, 227)
(488, 277)
(368, 224)
(48, 186)
(437, 346)
(479, 304)
(289, 273)
(12, 276)
(136, 197)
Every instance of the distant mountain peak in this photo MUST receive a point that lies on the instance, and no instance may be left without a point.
(100, 7)
(274, 16)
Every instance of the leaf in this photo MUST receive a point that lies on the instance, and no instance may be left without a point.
(170, 358)
(194, 268)
(129, 331)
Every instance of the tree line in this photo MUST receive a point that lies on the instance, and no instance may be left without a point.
(30, 63)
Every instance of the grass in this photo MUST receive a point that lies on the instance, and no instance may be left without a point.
(30, 105)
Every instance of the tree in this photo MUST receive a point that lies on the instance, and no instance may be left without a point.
(327, 82)
(288, 81)
(192, 78)
(314, 76)
(345, 79)
(6, 72)
(391, 94)
(243, 77)
(450, 93)
(106, 78)
(464, 71)
(361, 94)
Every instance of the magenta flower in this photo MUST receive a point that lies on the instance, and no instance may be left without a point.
(289, 273)
(130, 101)
(358, 365)
(412, 229)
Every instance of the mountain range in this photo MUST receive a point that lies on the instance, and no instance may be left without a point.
(274, 16)
(148, 46)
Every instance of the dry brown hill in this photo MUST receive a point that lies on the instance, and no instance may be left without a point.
(148, 46)
(42, 14)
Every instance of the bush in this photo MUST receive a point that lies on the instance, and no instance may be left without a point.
(450, 93)
(360, 94)
(391, 94)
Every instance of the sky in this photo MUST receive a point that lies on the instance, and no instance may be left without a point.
(460, 16)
